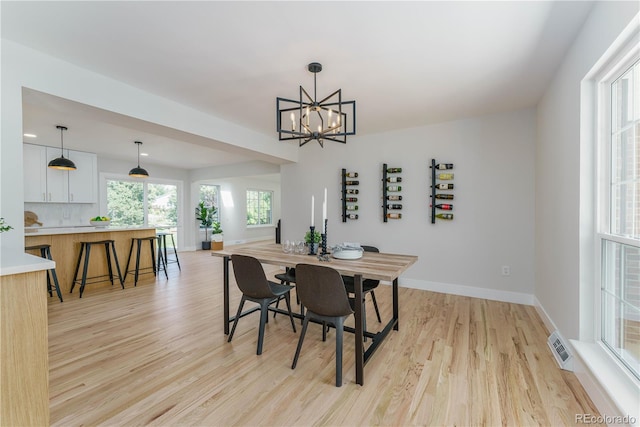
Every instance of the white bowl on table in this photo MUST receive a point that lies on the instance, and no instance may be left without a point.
(347, 252)
(100, 223)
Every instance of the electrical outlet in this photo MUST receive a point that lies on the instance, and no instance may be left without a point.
(506, 270)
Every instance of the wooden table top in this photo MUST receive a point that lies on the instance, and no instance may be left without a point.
(372, 265)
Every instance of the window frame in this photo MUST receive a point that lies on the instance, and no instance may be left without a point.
(260, 192)
(614, 69)
(104, 177)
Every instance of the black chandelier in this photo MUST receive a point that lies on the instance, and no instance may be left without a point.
(330, 118)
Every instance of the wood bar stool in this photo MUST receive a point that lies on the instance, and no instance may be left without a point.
(162, 249)
(138, 242)
(85, 248)
(45, 252)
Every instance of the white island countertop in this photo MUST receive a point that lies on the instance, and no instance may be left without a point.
(40, 231)
(16, 262)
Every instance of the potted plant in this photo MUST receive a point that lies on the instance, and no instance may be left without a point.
(4, 226)
(216, 237)
(205, 214)
(313, 240)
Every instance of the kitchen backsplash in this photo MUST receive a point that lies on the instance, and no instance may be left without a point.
(63, 214)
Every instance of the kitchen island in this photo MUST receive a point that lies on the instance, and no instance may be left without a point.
(65, 248)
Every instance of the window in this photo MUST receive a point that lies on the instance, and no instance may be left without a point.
(134, 202)
(259, 207)
(210, 195)
(619, 211)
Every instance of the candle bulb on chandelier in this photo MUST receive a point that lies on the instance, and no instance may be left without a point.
(293, 121)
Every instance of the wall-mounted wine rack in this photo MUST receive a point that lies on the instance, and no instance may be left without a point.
(391, 193)
(437, 185)
(349, 195)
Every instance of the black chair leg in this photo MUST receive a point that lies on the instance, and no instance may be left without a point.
(339, 340)
(264, 317)
(235, 321)
(375, 305)
(287, 299)
(305, 323)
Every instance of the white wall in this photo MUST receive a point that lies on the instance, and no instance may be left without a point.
(493, 205)
(558, 171)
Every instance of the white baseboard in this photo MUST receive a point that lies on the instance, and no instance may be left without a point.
(468, 291)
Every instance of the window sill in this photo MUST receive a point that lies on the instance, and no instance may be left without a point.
(620, 387)
(261, 226)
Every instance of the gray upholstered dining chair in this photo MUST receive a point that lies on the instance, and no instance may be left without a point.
(255, 287)
(322, 293)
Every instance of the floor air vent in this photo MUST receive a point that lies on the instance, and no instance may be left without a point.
(560, 351)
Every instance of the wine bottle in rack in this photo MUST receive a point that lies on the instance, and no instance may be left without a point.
(444, 186)
(352, 216)
(352, 207)
(351, 199)
(352, 191)
(351, 174)
(444, 166)
(445, 176)
(394, 215)
(394, 188)
(352, 182)
(394, 170)
(394, 197)
(444, 216)
(394, 179)
(394, 206)
(444, 196)
(445, 206)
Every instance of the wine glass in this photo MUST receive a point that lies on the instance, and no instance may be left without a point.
(286, 247)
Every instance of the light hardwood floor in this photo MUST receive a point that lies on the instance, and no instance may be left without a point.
(156, 354)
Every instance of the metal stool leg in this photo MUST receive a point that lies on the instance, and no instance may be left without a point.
(75, 275)
(126, 270)
(54, 276)
(115, 257)
(86, 268)
(175, 251)
(106, 250)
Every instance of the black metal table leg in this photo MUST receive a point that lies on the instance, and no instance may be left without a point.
(357, 279)
(395, 304)
(225, 288)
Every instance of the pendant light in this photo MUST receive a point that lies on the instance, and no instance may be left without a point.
(138, 172)
(62, 162)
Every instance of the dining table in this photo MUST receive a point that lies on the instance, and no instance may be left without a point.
(381, 266)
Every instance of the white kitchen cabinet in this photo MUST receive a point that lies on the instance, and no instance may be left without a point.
(35, 175)
(83, 182)
(44, 184)
(57, 180)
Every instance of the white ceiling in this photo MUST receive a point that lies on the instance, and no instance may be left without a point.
(405, 63)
